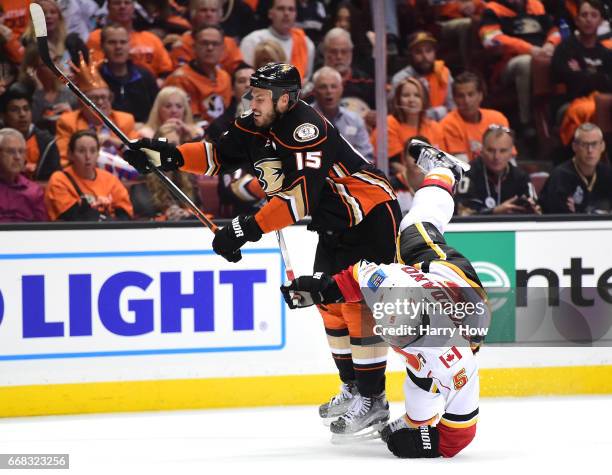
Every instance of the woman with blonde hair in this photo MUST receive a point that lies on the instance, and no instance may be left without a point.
(66, 46)
(268, 51)
(408, 120)
(152, 199)
(171, 106)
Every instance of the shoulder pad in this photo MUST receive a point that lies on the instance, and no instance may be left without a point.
(301, 127)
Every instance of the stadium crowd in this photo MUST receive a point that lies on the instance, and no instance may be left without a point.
(522, 89)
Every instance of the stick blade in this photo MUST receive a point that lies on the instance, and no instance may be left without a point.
(38, 20)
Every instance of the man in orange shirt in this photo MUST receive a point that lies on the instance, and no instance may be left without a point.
(89, 81)
(518, 30)
(146, 49)
(205, 12)
(464, 127)
(299, 49)
(208, 86)
(437, 77)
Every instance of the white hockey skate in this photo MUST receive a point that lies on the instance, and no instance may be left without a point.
(393, 426)
(365, 417)
(339, 403)
(428, 157)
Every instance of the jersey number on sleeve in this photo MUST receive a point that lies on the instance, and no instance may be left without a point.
(308, 159)
(460, 379)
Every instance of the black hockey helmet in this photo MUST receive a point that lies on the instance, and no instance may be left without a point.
(280, 78)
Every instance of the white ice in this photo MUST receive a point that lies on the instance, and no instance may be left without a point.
(552, 435)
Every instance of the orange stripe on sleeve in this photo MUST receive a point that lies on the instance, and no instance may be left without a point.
(274, 215)
(199, 159)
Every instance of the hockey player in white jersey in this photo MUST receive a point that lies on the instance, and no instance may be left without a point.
(431, 308)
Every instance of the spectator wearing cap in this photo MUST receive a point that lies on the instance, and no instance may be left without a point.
(465, 126)
(20, 199)
(42, 156)
(520, 30)
(205, 12)
(89, 81)
(208, 86)
(134, 88)
(493, 185)
(146, 49)
(584, 64)
(299, 49)
(327, 92)
(436, 76)
(584, 183)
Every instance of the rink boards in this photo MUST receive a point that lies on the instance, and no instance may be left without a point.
(96, 320)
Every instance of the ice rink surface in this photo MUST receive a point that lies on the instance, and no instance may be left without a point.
(553, 435)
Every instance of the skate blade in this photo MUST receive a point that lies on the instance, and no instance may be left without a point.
(369, 433)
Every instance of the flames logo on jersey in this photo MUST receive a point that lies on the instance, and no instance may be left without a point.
(270, 174)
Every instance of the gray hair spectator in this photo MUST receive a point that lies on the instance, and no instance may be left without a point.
(328, 91)
(20, 199)
(494, 185)
(358, 85)
(584, 183)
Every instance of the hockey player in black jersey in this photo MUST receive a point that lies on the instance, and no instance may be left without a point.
(306, 168)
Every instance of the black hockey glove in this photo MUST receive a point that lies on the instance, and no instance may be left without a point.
(145, 154)
(415, 443)
(229, 239)
(311, 290)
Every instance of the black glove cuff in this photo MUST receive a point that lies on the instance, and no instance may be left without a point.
(331, 292)
(252, 231)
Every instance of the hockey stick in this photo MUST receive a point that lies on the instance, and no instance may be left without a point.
(40, 29)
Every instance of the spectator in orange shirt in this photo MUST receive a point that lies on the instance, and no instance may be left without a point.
(464, 127)
(298, 47)
(91, 83)
(424, 65)
(205, 12)
(15, 15)
(406, 121)
(456, 18)
(84, 192)
(519, 30)
(146, 49)
(584, 64)
(172, 106)
(208, 86)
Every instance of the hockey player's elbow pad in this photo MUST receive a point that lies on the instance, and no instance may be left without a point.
(420, 442)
